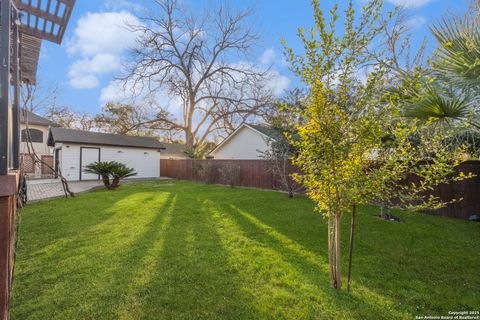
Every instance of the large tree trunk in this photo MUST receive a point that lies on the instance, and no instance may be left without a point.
(189, 139)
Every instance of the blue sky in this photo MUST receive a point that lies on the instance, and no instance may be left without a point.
(91, 53)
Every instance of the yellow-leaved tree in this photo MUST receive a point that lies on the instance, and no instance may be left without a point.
(353, 146)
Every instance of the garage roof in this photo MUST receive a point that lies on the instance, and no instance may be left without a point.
(58, 135)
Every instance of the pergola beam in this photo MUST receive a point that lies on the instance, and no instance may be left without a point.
(23, 26)
(43, 22)
(16, 97)
(5, 21)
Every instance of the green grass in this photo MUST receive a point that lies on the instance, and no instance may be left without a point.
(180, 250)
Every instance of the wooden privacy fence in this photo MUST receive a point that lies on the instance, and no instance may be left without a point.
(257, 174)
(8, 207)
(253, 173)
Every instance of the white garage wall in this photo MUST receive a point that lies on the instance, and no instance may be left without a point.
(244, 144)
(146, 162)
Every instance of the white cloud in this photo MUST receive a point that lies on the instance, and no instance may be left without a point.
(118, 5)
(409, 3)
(132, 93)
(85, 81)
(89, 68)
(268, 57)
(117, 92)
(277, 83)
(415, 22)
(105, 32)
(99, 39)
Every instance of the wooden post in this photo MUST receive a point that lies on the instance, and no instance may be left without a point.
(5, 17)
(16, 96)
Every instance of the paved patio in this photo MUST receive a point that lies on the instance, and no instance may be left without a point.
(52, 188)
(46, 189)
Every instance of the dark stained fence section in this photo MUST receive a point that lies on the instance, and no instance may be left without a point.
(8, 207)
(257, 174)
(253, 173)
(467, 192)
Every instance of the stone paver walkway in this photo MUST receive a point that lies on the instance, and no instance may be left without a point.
(52, 188)
(46, 189)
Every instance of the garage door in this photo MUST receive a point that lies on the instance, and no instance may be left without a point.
(88, 156)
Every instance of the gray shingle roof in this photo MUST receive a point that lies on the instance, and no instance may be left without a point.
(174, 150)
(36, 119)
(270, 132)
(57, 135)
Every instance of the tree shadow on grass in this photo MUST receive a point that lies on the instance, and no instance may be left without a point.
(190, 277)
(65, 282)
(311, 278)
(387, 260)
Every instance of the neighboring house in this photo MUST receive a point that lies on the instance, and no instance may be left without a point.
(74, 149)
(246, 143)
(37, 131)
(173, 151)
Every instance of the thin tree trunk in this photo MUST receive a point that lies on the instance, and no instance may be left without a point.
(352, 235)
(384, 212)
(338, 283)
(331, 251)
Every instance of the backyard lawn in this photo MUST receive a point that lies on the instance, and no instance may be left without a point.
(181, 250)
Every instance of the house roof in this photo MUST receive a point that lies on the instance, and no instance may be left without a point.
(267, 131)
(58, 135)
(174, 149)
(264, 130)
(36, 119)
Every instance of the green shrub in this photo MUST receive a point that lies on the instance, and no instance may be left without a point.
(111, 172)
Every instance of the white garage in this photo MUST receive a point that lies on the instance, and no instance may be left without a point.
(74, 149)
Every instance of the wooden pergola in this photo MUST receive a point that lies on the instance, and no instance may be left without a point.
(24, 24)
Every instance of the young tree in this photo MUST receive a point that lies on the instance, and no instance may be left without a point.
(342, 152)
(230, 174)
(190, 57)
(279, 155)
(283, 119)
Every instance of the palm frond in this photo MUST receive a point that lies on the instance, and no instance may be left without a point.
(432, 103)
(458, 57)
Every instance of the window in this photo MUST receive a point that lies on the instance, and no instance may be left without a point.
(35, 135)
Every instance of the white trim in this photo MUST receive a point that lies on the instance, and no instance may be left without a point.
(235, 132)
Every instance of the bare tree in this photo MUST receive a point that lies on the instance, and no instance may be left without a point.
(65, 117)
(28, 100)
(36, 98)
(190, 57)
(132, 119)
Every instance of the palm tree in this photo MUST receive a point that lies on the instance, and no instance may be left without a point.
(102, 169)
(450, 94)
(120, 171)
(110, 169)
